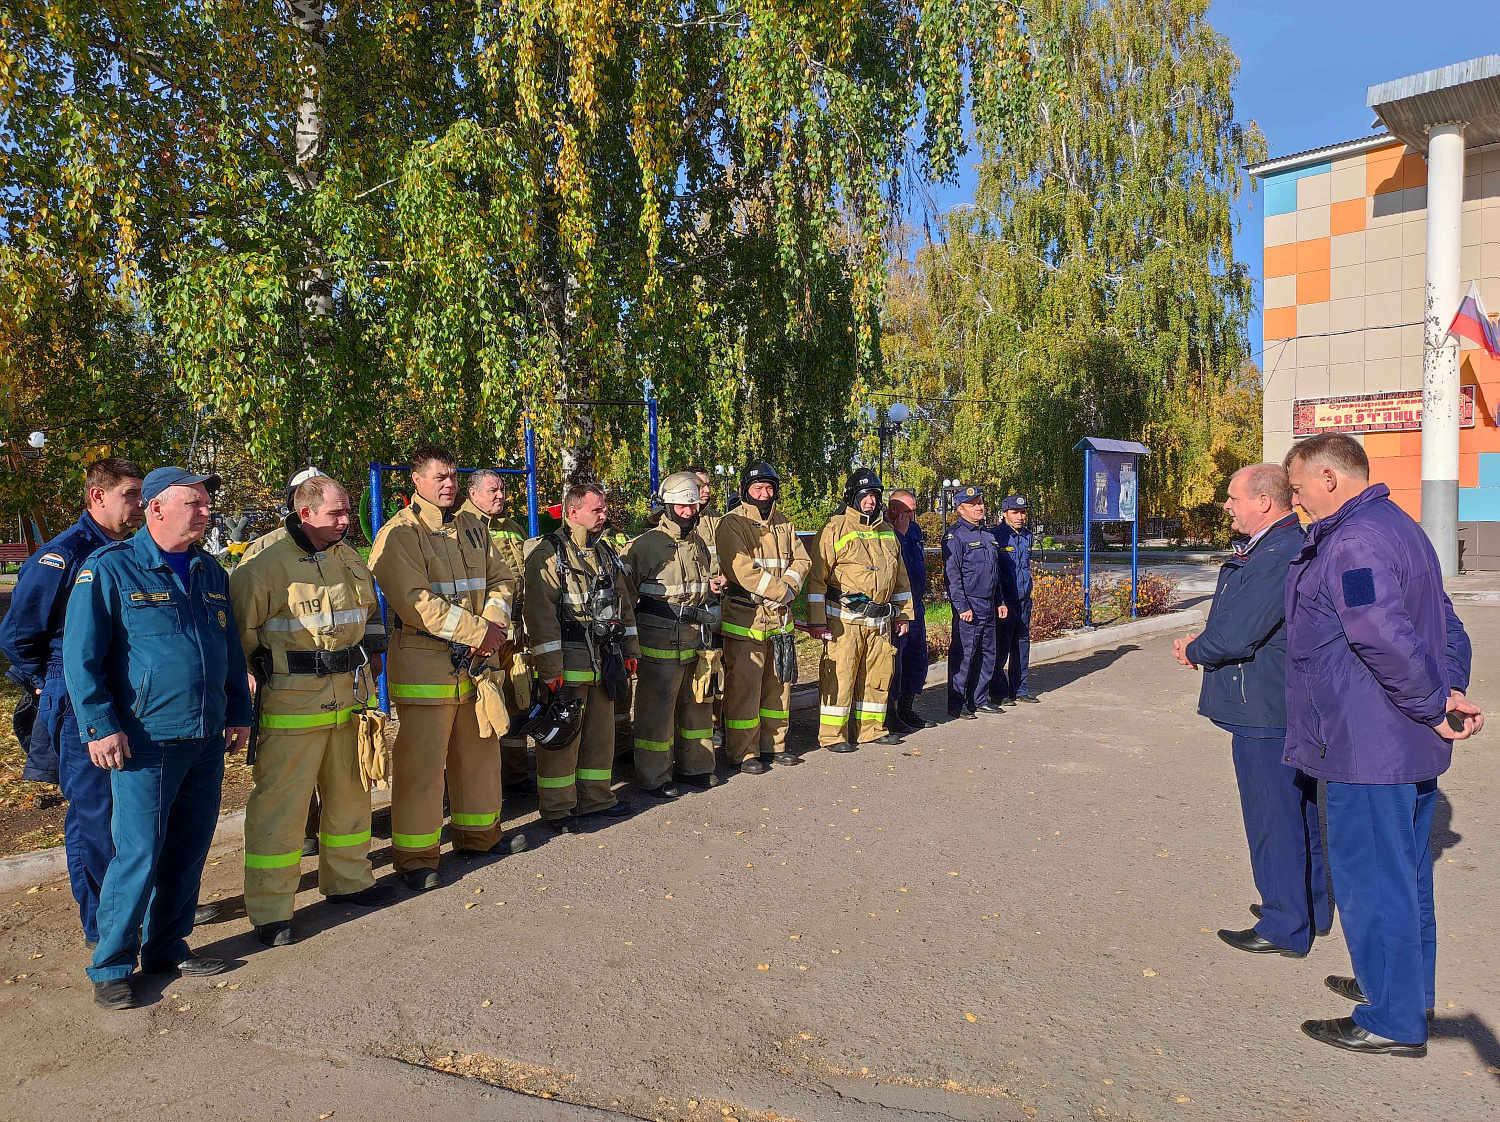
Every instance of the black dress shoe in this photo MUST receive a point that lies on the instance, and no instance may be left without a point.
(376, 896)
(752, 766)
(1343, 1032)
(309, 847)
(990, 707)
(666, 792)
(198, 966)
(205, 913)
(843, 746)
(277, 934)
(1027, 698)
(1349, 990)
(420, 880)
(782, 759)
(962, 715)
(1250, 940)
(114, 994)
(888, 738)
(504, 847)
(702, 782)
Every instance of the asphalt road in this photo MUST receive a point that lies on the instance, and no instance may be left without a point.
(1003, 919)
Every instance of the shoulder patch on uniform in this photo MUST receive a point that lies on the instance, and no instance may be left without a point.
(52, 561)
(1359, 587)
(84, 576)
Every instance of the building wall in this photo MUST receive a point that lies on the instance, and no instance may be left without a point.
(1345, 293)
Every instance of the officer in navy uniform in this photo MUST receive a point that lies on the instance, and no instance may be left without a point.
(31, 637)
(1014, 538)
(971, 568)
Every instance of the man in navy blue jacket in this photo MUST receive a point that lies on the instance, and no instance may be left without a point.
(1377, 668)
(1013, 662)
(31, 637)
(971, 568)
(1243, 654)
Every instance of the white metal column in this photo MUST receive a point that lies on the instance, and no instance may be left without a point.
(1440, 396)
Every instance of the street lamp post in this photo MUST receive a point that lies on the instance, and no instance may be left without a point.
(950, 486)
(896, 416)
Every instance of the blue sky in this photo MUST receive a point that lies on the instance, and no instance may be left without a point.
(1304, 69)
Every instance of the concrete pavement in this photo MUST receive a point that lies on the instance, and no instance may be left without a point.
(1000, 919)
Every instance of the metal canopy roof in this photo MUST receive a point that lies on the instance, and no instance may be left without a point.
(1466, 93)
(1103, 444)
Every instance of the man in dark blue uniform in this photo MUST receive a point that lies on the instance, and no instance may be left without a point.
(911, 649)
(31, 637)
(1014, 538)
(971, 568)
(157, 675)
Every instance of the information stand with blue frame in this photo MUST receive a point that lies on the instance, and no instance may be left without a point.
(1111, 493)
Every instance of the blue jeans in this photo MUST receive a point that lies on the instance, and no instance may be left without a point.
(1280, 805)
(86, 825)
(166, 805)
(1380, 848)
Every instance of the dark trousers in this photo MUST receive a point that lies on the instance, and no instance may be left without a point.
(1014, 657)
(911, 656)
(166, 805)
(1280, 805)
(1380, 847)
(86, 824)
(971, 658)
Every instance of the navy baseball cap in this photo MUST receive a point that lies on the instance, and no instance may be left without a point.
(1014, 502)
(968, 494)
(159, 479)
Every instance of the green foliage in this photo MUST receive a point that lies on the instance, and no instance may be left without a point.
(345, 227)
(1092, 288)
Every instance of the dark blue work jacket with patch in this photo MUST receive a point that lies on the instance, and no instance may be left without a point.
(971, 567)
(31, 636)
(148, 655)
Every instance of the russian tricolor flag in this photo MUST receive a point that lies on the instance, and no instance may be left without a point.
(1473, 324)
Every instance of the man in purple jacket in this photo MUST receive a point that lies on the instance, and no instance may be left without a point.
(1377, 666)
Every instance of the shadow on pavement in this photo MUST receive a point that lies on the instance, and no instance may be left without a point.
(1055, 675)
(1477, 1032)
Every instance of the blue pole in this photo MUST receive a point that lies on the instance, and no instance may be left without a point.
(531, 507)
(1088, 475)
(1135, 544)
(651, 434)
(377, 519)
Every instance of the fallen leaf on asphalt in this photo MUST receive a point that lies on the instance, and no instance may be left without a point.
(1183, 1099)
(748, 865)
(1109, 1082)
(233, 985)
(1149, 973)
(1164, 853)
(499, 903)
(36, 956)
(477, 891)
(469, 905)
(38, 888)
(801, 968)
(794, 936)
(1450, 1005)
(764, 966)
(326, 1114)
(1204, 930)
(669, 895)
(953, 874)
(485, 1004)
(901, 890)
(737, 833)
(970, 1018)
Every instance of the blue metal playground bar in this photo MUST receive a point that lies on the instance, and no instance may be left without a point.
(377, 519)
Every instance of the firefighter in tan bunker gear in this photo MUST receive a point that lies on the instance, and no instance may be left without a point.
(581, 625)
(448, 588)
(486, 502)
(310, 626)
(857, 597)
(766, 566)
(673, 581)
